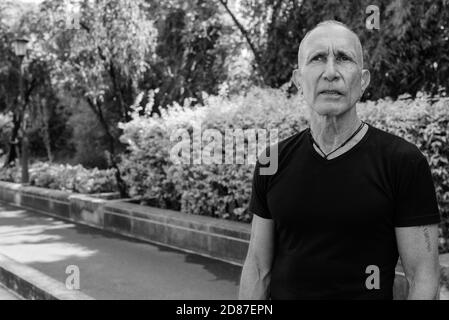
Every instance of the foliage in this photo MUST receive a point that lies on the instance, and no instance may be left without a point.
(37, 102)
(194, 47)
(101, 61)
(182, 48)
(87, 137)
(408, 54)
(223, 190)
(5, 130)
(61, 133)
(11, 174)
(217, 190)
(64, 177)
(106, 53)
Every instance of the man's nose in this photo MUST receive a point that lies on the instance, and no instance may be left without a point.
(330, 73)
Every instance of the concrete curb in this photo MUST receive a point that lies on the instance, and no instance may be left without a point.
(31, 284)
(211, 237)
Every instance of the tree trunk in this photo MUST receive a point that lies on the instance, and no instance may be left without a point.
(13, 152)
(25, 173)
(45, 131)
(111, 148)
(123, 189)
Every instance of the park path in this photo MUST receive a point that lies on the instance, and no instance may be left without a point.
(112, 266)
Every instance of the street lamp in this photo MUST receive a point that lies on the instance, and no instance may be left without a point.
(20, 47)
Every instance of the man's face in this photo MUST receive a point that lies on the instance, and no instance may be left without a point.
(330, 70)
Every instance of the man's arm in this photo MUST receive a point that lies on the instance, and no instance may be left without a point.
(418, 249)
(256, 272)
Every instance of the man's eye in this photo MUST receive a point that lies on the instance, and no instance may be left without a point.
(344, 58)
(318, 58)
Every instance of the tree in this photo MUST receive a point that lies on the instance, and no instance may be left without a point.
(411, 51)
(192, 48)
(408, 54)
(20, 104)
(103, 61)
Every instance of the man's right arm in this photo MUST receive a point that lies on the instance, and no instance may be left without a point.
(256, 272)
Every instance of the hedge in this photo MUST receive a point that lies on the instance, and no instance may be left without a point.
(64, 177)
(223, 191)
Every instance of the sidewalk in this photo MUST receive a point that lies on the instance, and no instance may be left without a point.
(112, 266)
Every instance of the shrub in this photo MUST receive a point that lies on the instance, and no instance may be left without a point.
(72, 178)
(217, 190)
(11, 173)
(223, 190)
(64, 177)
(6, 125)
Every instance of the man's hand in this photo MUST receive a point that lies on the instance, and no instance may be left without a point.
(418, 249)
(256, 272)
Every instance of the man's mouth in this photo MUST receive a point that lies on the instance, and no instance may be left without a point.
(331, 92)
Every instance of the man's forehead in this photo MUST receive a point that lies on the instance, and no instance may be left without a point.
(336, 36)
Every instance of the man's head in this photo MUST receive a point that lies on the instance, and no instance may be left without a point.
(330, 70)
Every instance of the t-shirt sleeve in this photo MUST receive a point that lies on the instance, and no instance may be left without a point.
(416, 202)
(258, 202)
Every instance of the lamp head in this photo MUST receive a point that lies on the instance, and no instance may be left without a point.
(20, 46)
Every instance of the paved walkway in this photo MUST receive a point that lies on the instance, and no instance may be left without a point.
(112, 266)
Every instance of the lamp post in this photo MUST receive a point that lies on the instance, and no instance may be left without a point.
(20, 46)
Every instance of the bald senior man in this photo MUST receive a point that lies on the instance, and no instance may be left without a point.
(347, 199)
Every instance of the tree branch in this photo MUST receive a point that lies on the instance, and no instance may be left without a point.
(244, 33)
(109, 65)
(275, 12)
(92, 106)
(100, 51)
(117, 90)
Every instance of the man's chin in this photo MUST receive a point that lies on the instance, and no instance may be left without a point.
(330, 109)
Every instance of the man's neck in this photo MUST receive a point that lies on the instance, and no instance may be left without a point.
(330, 131)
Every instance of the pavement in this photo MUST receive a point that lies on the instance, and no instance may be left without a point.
(111, 266)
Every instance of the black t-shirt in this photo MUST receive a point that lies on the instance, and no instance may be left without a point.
(335, 218)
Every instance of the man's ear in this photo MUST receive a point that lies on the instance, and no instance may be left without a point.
(295, 78)
(366, 78)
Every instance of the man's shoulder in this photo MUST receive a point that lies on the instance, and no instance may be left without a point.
(280, 152)
(394, 146)
(284, 146)
(291, 140)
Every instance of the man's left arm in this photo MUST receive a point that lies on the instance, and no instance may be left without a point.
(418, 249)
